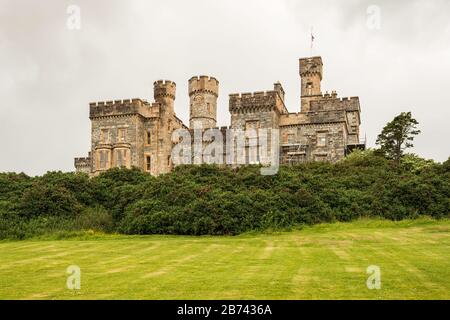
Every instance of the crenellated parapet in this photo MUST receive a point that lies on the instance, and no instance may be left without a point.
(164, 92)
(119, 107)
(124, 107)
(261, 101)
(83, 164)
(164, 89)
(203, 84)
(310, 67)
(332, 102)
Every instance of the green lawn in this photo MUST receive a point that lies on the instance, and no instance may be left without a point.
(320, 262)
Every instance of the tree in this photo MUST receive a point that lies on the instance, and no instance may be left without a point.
(397, 136)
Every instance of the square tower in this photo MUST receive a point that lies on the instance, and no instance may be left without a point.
(311, 77)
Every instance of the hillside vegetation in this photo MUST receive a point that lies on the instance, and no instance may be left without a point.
(199, 200)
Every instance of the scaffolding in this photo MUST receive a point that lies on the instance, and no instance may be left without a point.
(293, 153)
(362, 145)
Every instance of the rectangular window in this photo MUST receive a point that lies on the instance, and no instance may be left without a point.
(121, 158)
(309, 88)
(104, 136)
(103, 158)
(149, 136)
(122, 133)
(321, 140)
(148, 163)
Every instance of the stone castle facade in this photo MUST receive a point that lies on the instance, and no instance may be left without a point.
(137, 133)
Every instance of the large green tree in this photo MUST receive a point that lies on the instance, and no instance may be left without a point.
(397, 136)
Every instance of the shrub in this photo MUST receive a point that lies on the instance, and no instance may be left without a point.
(197, 200)
(44, 199)
(96, 219)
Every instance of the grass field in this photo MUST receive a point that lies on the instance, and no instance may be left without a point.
(320, 262)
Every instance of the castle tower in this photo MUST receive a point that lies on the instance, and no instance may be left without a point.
(203, 93)
(164, 94)
(311, 77)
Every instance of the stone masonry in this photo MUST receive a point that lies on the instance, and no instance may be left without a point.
(136, 133)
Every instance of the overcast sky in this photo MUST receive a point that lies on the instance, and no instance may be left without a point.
(49, 73)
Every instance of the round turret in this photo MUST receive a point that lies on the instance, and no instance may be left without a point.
(164, 92)
(203, 94)
(164, 88)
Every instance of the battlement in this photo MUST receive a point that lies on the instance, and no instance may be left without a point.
(82, 162)
(164, 88)
(262, 100)
(164, 83)
(332, 102)
(118, 107)
(204, 78)
(311, 66)
(134, 101)
(258, 94)
(203, 84)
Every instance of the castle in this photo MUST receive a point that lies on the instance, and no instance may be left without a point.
(137, 133)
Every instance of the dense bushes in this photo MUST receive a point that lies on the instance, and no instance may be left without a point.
(214, 200)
